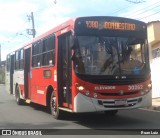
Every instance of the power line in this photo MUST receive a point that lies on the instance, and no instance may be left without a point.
(136, 1)
(149, 15)
(146, 11)
(133, 3)
(150, 5)
(11, 38)
(142, 9)
(122, 9)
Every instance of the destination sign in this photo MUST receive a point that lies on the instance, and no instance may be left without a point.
(111, 25)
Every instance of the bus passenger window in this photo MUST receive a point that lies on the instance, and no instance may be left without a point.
(43, 52)
(16, 61)
(21, 60)
(36, 54)
(48, 51)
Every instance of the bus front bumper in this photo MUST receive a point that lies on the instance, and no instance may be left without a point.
(83, 103)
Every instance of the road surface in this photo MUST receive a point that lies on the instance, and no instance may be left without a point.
(32, 116)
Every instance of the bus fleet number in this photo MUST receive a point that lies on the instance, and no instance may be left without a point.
(135, 87)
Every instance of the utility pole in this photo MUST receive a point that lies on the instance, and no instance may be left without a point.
(31, 31)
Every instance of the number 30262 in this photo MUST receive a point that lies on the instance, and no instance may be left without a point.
(135, 87)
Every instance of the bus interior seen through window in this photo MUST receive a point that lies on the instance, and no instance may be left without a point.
(109, 55)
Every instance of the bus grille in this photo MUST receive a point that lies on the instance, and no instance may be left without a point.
(111, 104)
(118, 94)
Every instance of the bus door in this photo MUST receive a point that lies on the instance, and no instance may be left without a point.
(64, 70)
(11, 72)
(27, 53)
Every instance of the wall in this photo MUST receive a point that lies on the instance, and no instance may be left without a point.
(154, 45)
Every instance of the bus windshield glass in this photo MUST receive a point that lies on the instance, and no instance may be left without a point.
(100, 55)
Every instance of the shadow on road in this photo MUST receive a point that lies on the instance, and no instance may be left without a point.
(100, 120)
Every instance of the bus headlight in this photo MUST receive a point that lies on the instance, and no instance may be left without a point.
(80, 88)
(150, 85)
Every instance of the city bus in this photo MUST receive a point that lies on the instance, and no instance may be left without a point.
(87, 64)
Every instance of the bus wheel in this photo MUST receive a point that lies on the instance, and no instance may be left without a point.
(19, 101)
(56, 113)
(111, 112)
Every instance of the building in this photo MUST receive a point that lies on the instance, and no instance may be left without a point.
(154, 44)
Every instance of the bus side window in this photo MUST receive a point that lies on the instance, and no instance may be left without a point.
(21, 59)
(36, 54)
(48, 55)
(16, 67)
(43, 52)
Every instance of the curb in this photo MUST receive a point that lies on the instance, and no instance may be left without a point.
(153, 108)
(156, 108)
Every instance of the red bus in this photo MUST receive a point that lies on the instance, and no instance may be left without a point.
(87, 64)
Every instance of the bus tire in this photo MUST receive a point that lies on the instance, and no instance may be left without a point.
(19, 101)
(56, 113)
(111, 112)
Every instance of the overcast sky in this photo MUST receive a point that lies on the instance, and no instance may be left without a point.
(47, 14)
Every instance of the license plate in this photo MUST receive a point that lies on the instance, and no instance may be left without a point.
(121, 102)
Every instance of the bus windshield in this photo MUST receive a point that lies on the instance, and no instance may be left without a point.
(100, 55)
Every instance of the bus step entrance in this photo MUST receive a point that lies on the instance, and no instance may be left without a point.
(65, 109)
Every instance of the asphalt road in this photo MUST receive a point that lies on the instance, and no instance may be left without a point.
(13, 116)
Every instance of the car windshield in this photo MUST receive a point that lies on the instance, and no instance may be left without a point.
(94, 55)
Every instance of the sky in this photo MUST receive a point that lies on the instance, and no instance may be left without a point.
(50, 13)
